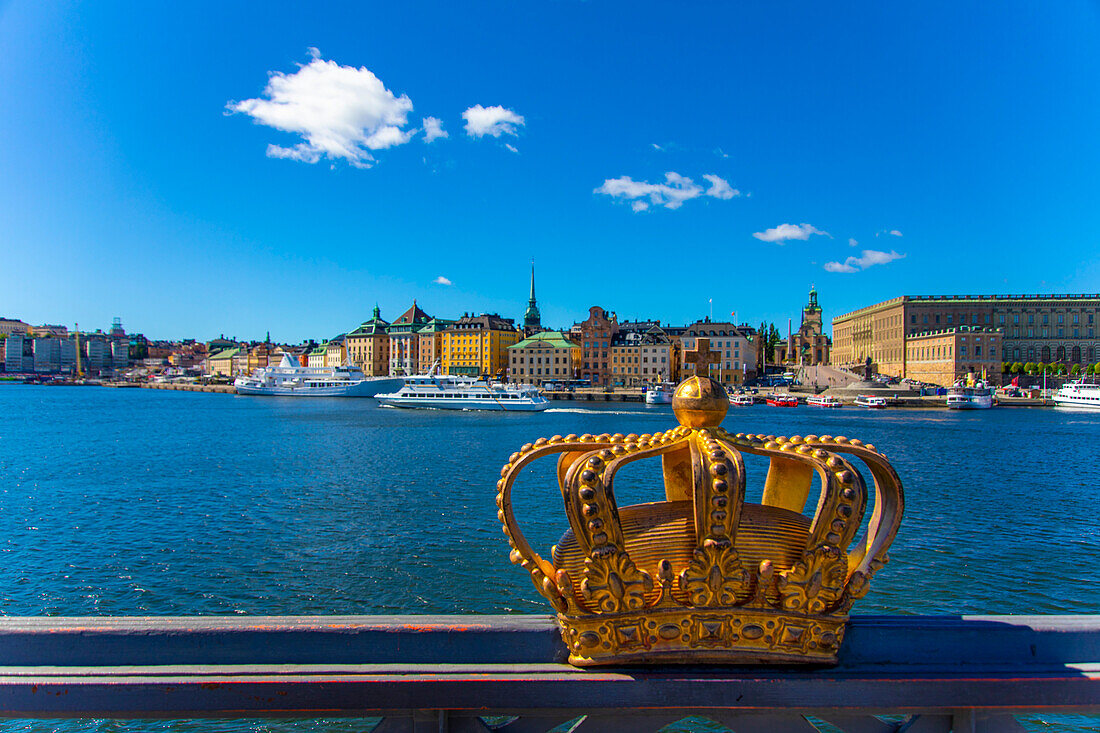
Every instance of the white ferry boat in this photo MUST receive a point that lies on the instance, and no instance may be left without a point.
(449, 392)
(660, 394)
(872, 401)
(742, 400)
(290, 379)
(1078, 394)
(977, 397)
(781, 399)
(823, 401)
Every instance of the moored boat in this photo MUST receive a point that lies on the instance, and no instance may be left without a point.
(1078, 394)
(451, 392)
(290, 379)
(872, 401)
(782, 400)
(742, 400)
(976, 396)
(823, 401)
(660, 394)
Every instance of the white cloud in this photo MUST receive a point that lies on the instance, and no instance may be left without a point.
(442, 281)
(720, 188)
(495, 121)
(891, 232)
(852, 242)
(433, 129)
(786, 232)
(868, 258)
(512, 148)
(721, 153)
(657, 147)
(671, 194)
(340, 112)
(895, 233)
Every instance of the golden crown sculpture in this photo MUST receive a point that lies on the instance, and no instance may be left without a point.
(705, 576)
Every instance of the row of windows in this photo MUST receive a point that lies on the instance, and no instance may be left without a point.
(1045, 333)
(537, 360)
(1087, 355)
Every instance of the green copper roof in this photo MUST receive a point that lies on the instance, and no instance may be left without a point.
(226, 354)
(555, 339)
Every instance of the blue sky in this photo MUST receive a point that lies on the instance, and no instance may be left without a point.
(137, 179)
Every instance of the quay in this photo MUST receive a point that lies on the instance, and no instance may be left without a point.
(184, 387)
(449, 673)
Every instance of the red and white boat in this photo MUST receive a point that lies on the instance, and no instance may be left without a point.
(823, 401)
(782, 400)
(742, 400)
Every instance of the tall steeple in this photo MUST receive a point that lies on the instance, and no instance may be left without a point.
(532, 321)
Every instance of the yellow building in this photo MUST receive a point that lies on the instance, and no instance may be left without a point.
(547, 356)
(476, 345)
(336, 352)
(369, 346)
(641, 358)
(221, 363)
(316, 358)
(946, 356)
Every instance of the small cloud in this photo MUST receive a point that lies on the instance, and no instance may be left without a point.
(339, 112)
(639, 206)
(720, 188)
(891, 232)
(442, 281)
(671, 194)
(852, 242)
(511, 147)
(657, 147)
(786, 232)
(721, 154)
(433, 129)
(868, 258)
(895, 233)
(495, 121)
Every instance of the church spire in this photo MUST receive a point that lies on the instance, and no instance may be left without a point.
(532, 321)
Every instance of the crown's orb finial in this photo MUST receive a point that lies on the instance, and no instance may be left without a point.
(700, 402)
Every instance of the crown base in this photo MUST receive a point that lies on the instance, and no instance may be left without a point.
(703, 636)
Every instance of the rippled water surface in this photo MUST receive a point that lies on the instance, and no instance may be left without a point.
(153, 502)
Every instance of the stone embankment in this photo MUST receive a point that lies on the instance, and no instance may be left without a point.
(184, 387)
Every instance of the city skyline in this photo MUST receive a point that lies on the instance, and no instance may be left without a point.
(231, 181)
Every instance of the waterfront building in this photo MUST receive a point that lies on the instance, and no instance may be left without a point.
(430, 344)
(221, 363)
(478, 344)
(546, 356)
(221, 343)
(809, 346)
(259, 356)
(12, 325)
(532, 320)
(1037, 328)
(316, 357)
(595, 334)
(368, 346)
(642, 357)
(737, 356)
(240, 361)
(336, 351)
(18, 353)
(47, 354)
(948, 355)
(405, 341)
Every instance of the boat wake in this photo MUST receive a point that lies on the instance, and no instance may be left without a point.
(582, 411)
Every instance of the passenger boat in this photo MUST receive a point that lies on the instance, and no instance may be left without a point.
(291, 379)
(660, 394)
(451, 392)
(823, 401)
(742, 400)
(1078, 394)
(963, 397)
(872, 401)
(782, 400)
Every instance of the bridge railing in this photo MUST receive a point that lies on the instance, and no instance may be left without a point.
(480, 673)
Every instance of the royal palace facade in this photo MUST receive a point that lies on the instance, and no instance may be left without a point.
(1036, 328)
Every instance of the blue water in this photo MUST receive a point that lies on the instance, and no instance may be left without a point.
(127, 502)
